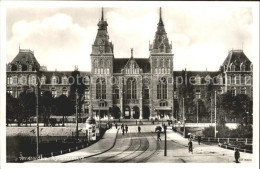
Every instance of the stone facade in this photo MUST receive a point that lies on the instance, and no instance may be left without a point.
(138, 88)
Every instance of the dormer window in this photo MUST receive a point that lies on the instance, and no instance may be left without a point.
(64, 80)
(30, 68)
(43, 80)
(197, 80)
(54, 80)
(233, 67)
(243, 68)
(86, 80)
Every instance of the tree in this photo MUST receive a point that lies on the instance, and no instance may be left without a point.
(77, 85)
(64, 107)
(12, 109)
(46, 106)
(27, 102)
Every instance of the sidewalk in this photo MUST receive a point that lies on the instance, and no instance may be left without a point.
(104, 144)
(202, 150)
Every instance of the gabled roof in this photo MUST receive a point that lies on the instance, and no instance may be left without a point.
(120, 63)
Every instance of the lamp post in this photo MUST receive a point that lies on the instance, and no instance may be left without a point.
(37, 120)
(215, 114)
(165, 141)
(77, 127)
(183, 117)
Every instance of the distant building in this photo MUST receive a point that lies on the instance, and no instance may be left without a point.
(138, 88)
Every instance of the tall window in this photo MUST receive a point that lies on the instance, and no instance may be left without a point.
(9, 80)
(233, 91)
(65, 91)
(86, 80)
(101, 88)
(54, 92)
(87, 94)
(116, 92)
(32, 80)
(232, 80)
(248, 80)
(237, 79)
(228, 80)
(197, 94)
(131, 88)
(242, 80)
(162, 89)
(146, 92)
(14, 79)
(243, 90)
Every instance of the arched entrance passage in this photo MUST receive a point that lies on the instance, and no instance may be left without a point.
(116, 112)
(127, 112)
(136, 112)
(146, 112)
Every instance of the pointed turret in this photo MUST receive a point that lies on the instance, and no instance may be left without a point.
(161, 43)
(102, 44)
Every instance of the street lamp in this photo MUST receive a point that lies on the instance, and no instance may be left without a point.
(37, 119)
(215, 114)
(183, 117)
(77, 127)
(165, 141)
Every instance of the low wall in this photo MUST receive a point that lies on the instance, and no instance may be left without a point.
(44, 131)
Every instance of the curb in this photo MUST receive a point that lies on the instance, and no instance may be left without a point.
(96, 153)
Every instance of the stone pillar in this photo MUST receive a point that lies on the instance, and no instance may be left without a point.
(131, 113)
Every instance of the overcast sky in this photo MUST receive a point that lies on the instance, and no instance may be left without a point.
(62, 37)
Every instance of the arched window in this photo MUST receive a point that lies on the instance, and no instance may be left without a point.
(65, 91)
(197, 94)
(162, 89)
(115, 92)
(232, 80)
(95, 63)
(101, 88)
(14, 79)
(233, 67)
(131, 88)
(54, 92)
(146, 92)
(220, 90)
(233, 91)
(248, 80)
(243, 90)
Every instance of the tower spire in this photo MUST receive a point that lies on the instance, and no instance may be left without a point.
(160, 20)
(132, 52)
(102, 15)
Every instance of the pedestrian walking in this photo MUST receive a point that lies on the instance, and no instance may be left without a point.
(190, 146)
(199, 139)
(153, 122)
(169, 123)
(237, 155)
(126, 128)
(116, 125)
(139, 129)
(122, 126)
(123, 130)
(158, 136)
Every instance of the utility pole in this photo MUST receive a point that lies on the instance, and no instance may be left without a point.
(77, 127)
(37, 120)
(183, 117)
(197, 111)
(215, 113)
(165, 141)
